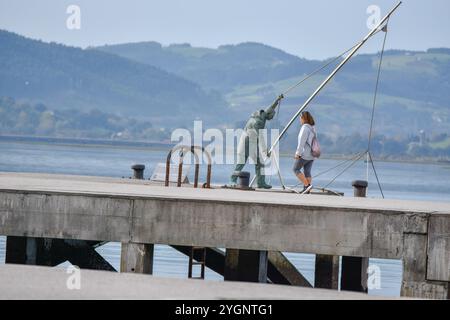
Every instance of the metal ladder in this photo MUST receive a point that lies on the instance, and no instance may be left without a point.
(201, 262)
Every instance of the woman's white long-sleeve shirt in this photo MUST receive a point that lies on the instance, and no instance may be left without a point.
(305, 138)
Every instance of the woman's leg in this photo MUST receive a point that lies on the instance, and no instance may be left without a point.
(302, 178)
(298, 165)
(307, 169)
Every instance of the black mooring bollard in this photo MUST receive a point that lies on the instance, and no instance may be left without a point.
(360, 188)
(138, 171)
(243, 179)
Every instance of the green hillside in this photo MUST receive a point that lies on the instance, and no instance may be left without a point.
(64, 77)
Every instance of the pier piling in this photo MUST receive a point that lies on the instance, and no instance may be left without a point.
(354, 269)
(246, 265)
(136, 258)
(16, 250)
(326, 275)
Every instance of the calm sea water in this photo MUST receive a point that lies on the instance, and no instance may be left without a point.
(399, 181)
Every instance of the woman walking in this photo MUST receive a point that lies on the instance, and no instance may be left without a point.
(303, 156)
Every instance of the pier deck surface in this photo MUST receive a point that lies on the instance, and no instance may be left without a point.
(146, 189)
(31, 282)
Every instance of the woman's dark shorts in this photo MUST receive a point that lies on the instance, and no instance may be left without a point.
(305, 164)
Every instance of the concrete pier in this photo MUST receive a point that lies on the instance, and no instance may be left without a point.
(134, 211)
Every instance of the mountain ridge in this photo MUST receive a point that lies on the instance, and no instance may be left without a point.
(414, 92)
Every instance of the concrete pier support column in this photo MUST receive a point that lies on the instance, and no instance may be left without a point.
(414, 282)
(21, 250)
(326, 273)
(354, 274)
(438, 253)
(137, 258)
(246, 265)
(230, 272)
(354, 269)
(32, 251)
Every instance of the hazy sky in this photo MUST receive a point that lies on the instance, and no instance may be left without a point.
(312, 29)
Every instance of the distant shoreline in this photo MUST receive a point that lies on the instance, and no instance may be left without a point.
(157, 145)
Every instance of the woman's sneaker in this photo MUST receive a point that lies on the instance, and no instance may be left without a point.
(307, 189)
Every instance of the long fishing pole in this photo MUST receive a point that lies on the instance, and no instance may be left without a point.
(328, 79)
(336, 70)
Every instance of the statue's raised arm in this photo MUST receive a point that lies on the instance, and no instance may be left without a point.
(270, 112)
